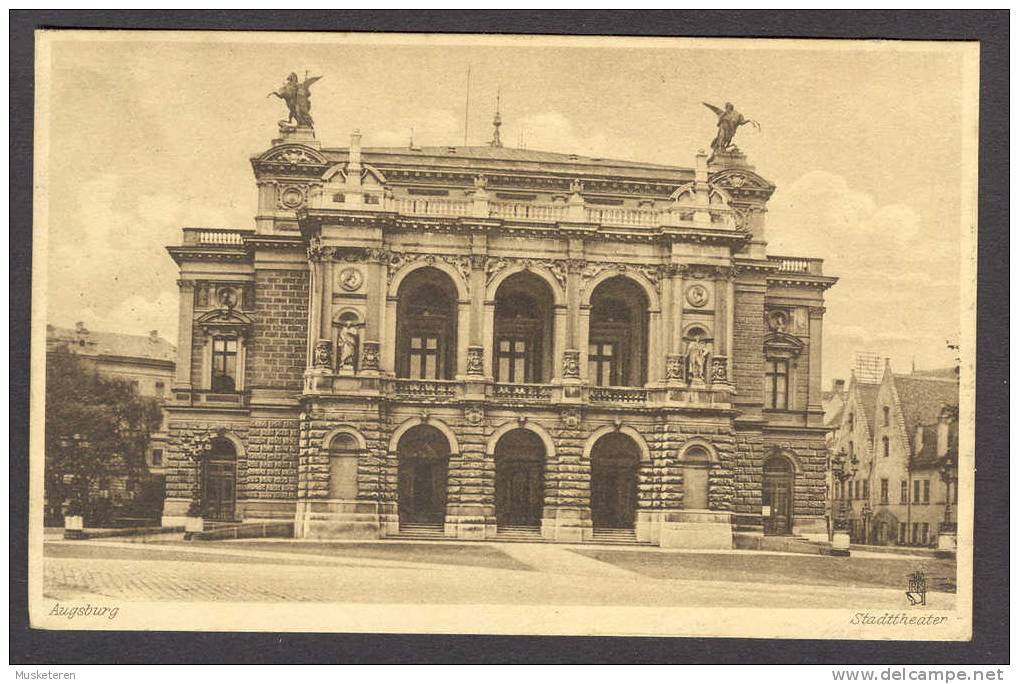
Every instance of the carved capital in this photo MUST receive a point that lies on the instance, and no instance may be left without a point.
(571, 363)
(475, 360)
(816, 311)
(186, 284)
(369, 356)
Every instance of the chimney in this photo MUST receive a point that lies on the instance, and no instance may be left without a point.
(153, 336)
(354, 159)
(838, 385)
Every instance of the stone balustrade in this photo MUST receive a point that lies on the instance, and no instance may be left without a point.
(215, 236)
(522, 392)
(619, 395)
(797, 265)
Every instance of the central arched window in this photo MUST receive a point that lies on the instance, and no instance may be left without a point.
(426, 326)
(523, 330)
(617, 340)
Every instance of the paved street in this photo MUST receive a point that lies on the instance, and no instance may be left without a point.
(478, 573)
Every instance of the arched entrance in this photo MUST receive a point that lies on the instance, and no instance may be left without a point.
(423, 458)
(777, 495)
(615, 459)
(219, 481)
(884, 528)
(519, 479)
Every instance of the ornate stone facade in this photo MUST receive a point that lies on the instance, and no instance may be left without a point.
(570, 356)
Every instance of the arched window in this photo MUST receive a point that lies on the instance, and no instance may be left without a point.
(426, 326)
(617, 340)
(523, 330)
(343, 452)
(884, 446)
(886, 416)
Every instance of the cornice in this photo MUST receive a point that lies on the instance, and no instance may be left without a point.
(216, 253)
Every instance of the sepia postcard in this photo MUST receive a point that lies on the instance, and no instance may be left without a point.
(477, 334)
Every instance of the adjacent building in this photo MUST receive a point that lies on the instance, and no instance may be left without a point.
(147, 362)
(903, 432)
(473, 342)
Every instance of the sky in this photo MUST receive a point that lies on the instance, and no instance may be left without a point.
(145, 133)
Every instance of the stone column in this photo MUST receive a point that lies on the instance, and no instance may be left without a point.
(375, 309)
(816, 314)
(314, 303)
(185, 326)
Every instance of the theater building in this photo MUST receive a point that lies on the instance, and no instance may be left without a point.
(489, 342)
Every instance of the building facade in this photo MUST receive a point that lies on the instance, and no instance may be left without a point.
(145, 361)
(477, 341)
(904, 433)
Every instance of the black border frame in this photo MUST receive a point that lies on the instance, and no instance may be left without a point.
(991, 561)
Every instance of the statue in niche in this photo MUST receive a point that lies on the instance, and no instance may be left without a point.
(729, 121)
(697, 353)
(297, 95)
(346, 343)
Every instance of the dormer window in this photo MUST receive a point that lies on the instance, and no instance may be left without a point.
(371, 199)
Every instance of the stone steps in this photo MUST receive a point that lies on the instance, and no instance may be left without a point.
(420, 531)
(614, 535)
(526, 533)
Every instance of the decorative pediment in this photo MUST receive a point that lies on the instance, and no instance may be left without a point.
(225, 321)
(780, 345)
(742, 183)
(294, 154)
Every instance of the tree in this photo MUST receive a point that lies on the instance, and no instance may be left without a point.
(97, 429)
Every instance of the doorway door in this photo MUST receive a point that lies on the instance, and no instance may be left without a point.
(220, 491)
(518, 491)
(777, 496)
(422, 496)
(613, 492)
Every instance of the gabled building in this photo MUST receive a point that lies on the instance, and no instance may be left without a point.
(471, 342)
(914, 433)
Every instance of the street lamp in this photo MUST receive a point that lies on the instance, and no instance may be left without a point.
(843, 468)
(948, 476)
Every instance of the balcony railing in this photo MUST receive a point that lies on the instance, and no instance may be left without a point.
(797, 265)
(432, 207)
(215, 236)
(527, 212)
(437, 390)
(619, 395)
(522, 392)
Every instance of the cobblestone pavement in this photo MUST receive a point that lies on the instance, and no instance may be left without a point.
(522, 574)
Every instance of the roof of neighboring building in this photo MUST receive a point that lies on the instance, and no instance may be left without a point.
(867, 392)
(511, 157)
(101, 343)
(922, 398)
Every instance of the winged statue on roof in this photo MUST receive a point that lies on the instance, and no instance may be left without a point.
(297, 95)
(729, 121)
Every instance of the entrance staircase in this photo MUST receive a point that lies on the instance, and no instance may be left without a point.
(518, 533)
(420, 531)
(614, 535)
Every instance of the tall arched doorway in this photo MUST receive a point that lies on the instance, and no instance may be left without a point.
(615, 459)
(618, 333)
(777, 495)
(519, 479)
(523, 330)
(219, 485)
(423, 458)
(426, 326)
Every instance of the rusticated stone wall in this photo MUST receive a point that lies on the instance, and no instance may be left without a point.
(180, 471)
(748, 476)
(277, 354)
(471, 472)
(270, 469)
(568, 475)
(373, 468)
(810, 456)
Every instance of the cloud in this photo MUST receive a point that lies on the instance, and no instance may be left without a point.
(555, 132)
(898, 292)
